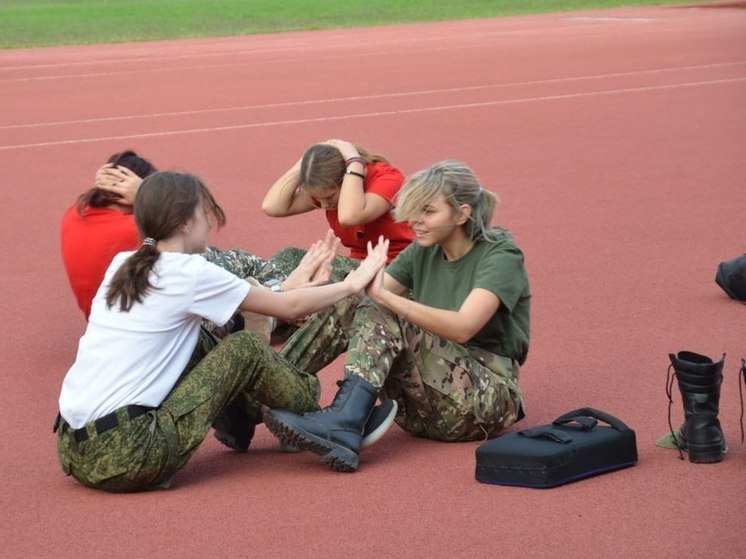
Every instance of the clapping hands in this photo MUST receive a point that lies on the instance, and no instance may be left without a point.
(371, 269)
(316, 266)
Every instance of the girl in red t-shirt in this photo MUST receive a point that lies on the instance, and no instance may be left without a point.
(356, 189)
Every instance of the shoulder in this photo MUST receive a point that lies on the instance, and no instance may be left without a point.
(381, 177)
(502, 242)
(417, 255)
(193, 263)
(382, 168)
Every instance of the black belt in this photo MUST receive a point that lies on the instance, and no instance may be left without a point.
(109, 421)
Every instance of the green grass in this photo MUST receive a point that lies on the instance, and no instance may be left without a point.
(33, 23)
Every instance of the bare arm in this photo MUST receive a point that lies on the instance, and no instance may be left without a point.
(285, 198)
(459, 326)
(355, 207)
(306, 300)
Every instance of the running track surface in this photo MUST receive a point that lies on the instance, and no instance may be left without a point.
(616, 141)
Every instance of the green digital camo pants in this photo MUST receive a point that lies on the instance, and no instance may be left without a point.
(145, 452)
(445, 391)
(287, 259)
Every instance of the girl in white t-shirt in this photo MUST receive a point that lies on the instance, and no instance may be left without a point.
(148, 381)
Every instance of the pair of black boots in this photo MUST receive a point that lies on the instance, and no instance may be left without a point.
(699, 379)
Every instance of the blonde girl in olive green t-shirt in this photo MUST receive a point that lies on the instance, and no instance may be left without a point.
(442, 331)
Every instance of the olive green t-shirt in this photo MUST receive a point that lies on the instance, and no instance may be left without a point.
(496, 266)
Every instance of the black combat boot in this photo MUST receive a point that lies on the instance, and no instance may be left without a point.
(234, 428)
(334, 433)
(699, 380)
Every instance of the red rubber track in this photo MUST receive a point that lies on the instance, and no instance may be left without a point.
(616, 141)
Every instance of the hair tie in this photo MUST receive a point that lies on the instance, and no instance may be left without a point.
(149, 241)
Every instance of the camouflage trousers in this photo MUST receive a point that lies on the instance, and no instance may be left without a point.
(145, 452)
(243, 264)
(287, 259)
(445, 391)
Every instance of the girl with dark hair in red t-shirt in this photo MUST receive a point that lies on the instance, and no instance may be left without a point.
(101, 224)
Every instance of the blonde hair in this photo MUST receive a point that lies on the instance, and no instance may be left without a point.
(457, 183)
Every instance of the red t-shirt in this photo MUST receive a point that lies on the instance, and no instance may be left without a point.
(89, 243)
(385, 181)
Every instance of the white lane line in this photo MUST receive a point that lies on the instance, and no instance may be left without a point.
(609, 19)
(300, 103)
(379, 113)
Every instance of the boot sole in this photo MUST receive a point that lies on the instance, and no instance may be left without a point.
(338, 457)
(707, 455)
(389, 407)
(230, 442)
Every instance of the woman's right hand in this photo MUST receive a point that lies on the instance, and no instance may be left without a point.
(371, 266)
(120, 181)
(316, 266)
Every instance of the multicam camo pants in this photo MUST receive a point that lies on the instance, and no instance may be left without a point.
(145, 452)
(445, 391)
(243, 264)
(288, 259)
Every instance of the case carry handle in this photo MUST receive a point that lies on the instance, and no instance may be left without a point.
(581, 414)
(546, 432)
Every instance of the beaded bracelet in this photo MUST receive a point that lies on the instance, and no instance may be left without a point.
(351, 160)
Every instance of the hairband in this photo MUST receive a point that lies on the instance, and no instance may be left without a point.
(150, 241)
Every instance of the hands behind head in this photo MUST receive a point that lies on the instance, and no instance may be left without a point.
(370, 271)
(316, 266)
(347, 149)
(120, 181)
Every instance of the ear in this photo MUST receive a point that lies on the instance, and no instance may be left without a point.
(186, 227)
(464, 213)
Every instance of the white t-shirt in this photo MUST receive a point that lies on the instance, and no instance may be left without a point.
(136, 357)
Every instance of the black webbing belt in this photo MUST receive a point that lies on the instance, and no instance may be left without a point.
(109, 421)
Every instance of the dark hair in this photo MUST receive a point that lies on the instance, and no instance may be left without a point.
(164, 202)
(100, 198)
(323, 167)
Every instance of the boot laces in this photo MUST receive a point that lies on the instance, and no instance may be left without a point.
(343, 388)
(669, 392)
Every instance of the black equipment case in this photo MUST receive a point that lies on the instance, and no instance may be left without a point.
(573, 447)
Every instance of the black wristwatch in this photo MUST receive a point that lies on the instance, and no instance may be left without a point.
(275, 285)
